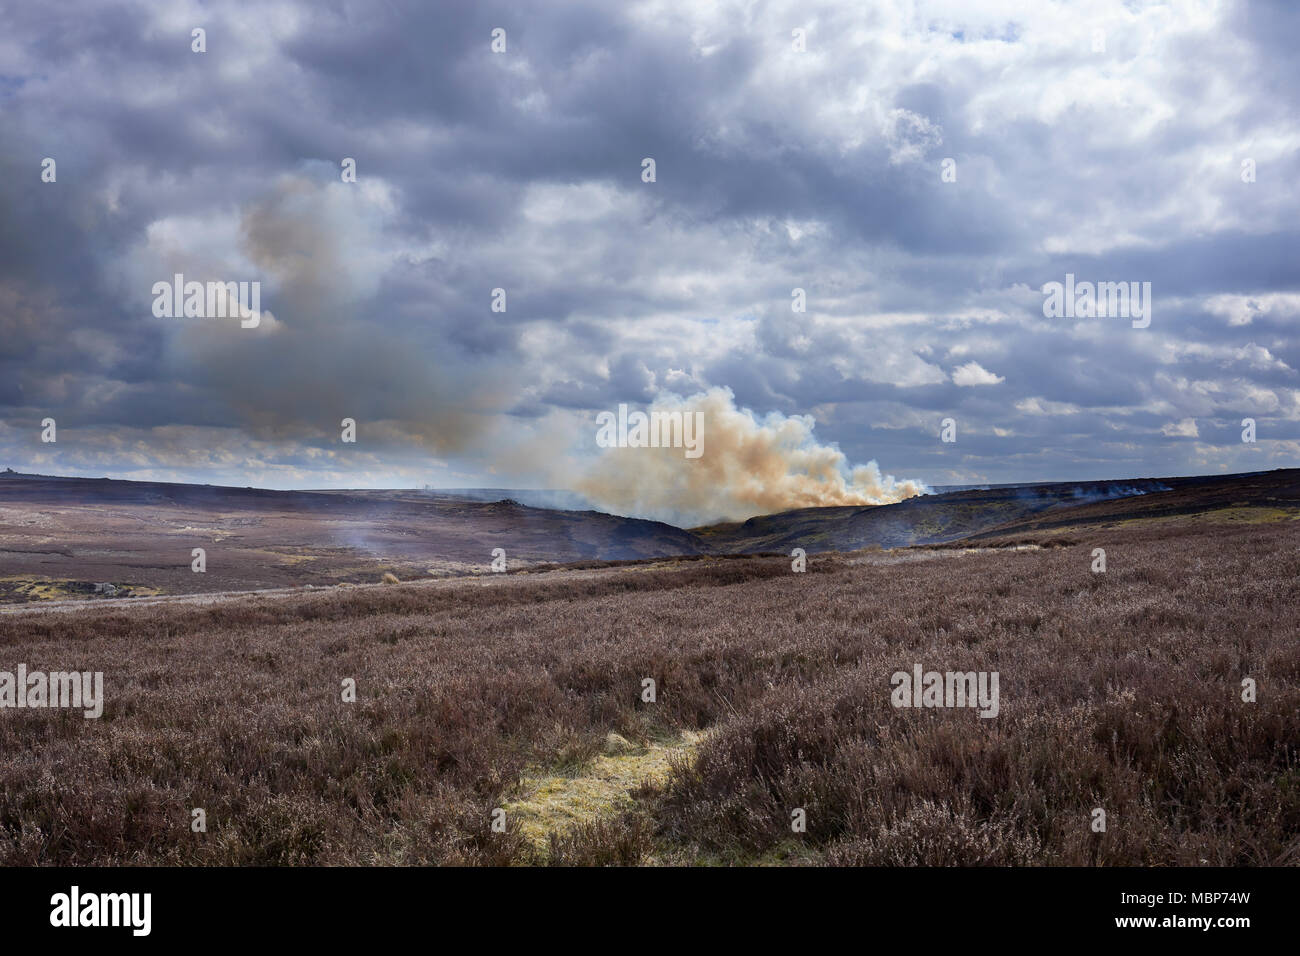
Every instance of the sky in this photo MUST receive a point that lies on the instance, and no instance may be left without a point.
(919, 170)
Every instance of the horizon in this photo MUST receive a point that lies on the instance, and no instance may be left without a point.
(929, 488)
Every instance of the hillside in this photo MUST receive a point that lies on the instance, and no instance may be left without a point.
(958, 515)
(1251, 498)
(61, 536)
(525, 693)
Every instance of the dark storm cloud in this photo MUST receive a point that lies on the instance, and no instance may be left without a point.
(775, 170)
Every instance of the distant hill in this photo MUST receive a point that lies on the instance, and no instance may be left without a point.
(61, 537)
(553, 499)
(1253, 497)
(995, 511)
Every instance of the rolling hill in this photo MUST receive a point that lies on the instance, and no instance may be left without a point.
(60, 537)
(998, 511)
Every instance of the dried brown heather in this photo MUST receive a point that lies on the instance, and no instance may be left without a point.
(1119, 690)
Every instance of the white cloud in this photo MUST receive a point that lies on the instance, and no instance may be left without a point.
(1183, 429)
(972, 373)
(1244, 309)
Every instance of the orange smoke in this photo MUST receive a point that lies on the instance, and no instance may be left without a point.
(748, 467)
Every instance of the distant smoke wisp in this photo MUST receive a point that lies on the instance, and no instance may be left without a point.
(322, 350)
(749, 466)
(1109, 490)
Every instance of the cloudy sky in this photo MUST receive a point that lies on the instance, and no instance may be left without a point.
(1108, 140)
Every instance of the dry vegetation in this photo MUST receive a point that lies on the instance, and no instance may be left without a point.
(1119, 691)
(59, 537)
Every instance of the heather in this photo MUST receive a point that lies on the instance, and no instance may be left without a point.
(1120, 691)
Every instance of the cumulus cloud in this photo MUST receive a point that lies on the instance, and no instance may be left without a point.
(1183, 429)
(972, 373)
(777, 169)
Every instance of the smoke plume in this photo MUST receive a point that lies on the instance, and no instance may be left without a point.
(749, 466)
(324, 349)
